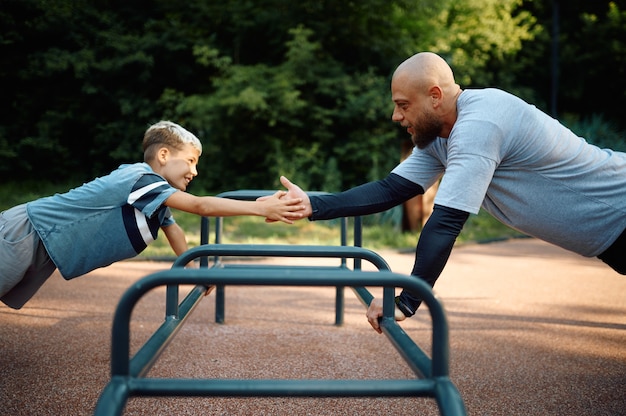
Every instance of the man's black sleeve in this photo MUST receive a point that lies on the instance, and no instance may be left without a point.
(433, 250)
(365, 199)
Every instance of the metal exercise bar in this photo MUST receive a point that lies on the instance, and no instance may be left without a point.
(281, 388)
(282, 250)
(147, 355)
(177, 313)
(251, 250)
(251, 195)
(436, 383)
(419, 361)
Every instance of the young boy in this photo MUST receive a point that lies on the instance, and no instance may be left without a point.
(115, 217)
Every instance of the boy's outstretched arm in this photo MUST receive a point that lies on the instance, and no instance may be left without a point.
(276, 207)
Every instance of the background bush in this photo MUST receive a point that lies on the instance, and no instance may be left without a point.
(276, 86)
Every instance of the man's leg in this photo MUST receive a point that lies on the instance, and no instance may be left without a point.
(615, 255)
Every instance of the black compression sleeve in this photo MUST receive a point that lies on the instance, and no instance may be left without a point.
(433, 249)
(365, 199)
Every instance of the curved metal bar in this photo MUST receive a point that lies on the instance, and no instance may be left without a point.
(292, 277)
(282, 250)
(253, 194)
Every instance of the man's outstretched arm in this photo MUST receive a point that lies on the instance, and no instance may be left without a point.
(369, 198)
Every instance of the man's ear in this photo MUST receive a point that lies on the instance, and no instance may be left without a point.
(436, 95)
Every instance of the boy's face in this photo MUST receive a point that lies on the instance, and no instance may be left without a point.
(179, 167)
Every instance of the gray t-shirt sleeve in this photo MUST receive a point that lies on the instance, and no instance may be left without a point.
(468, 170)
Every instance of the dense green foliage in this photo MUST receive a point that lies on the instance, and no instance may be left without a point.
(274, 87)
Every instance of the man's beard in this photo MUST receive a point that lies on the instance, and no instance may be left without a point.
(428, 130)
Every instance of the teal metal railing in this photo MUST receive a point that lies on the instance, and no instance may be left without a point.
(176, 313)
(128, 374)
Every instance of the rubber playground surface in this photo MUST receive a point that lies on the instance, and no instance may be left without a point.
(534, 330)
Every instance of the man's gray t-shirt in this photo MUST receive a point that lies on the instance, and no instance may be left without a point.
(528, 171)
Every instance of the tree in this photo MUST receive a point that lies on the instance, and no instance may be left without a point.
(591, 59)
(325, 102)
(271, 87)
(81, 80)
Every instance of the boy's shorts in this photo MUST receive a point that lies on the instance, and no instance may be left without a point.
(24, 259)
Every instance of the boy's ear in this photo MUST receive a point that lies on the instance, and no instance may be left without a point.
(162, 155)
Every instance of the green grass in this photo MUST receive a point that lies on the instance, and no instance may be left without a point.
(378, 231)
(254, 230)
(484, 228)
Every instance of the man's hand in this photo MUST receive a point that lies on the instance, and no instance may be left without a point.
(375, 311)
(279, 207)
(293, 192)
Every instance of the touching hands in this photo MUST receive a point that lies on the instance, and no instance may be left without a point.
(294, 192)
(375, 311)
(281, 207)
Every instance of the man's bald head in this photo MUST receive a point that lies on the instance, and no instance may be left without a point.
(425, 94)
(424, 70)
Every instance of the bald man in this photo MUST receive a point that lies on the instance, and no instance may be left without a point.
(494, 151)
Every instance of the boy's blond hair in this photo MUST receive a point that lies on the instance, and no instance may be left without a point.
(168, 134)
